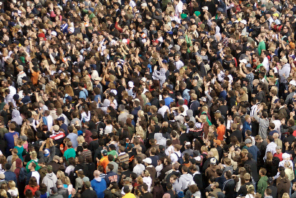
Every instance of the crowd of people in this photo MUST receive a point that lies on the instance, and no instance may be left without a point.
(147, 99)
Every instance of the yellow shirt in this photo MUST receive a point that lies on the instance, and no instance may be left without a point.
(129, 195)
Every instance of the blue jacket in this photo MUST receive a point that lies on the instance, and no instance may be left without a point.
(99, 185)
(246, 126)
(186, 95)
(254, 151)
(9, 175)
(135, 112)
(168, 100)
(111, 177)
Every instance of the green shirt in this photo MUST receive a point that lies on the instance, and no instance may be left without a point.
(113, 153)
(70, 153)
(20, 151)
(37, 166)
(261, 47)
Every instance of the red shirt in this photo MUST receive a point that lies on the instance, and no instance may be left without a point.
(280, 156)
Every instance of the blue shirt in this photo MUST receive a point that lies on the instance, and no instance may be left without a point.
(168, 101)
(10, 140)
(223, 94)
(83, 94)
(73, 138)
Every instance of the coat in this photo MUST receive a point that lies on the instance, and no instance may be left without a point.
(99, 185)
(262, 185)
(283, 186)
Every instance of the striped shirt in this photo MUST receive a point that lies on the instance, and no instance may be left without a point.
(123, 157)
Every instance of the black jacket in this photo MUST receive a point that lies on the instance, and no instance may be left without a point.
(89, 194)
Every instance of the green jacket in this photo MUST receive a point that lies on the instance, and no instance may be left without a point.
(262, 185)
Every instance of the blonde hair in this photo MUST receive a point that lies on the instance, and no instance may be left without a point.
(80, 139)
(146, 173)
(60, 175)
(3, 193)
(33, 155)
(66, 180)
(11, 184)
(215, 153)
(285, 195)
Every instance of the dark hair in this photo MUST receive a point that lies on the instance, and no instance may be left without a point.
(33, 182)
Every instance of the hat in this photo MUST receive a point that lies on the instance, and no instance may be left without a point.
(144, 5)
(220, 9)
(69, 98)
(144, 79)
(187, 144)
(213, 161)
(49, 167)
(56, 128)
(275, 14)
(155, 119)
(54, 190)
(53, 33)
(128, 179)
(46, 152)
(61, 118)
(104, 152)
(155, 41)
(205, 8)
(203, 99)
(218, 142)
(2, 176)
(131, 84)
(97, 78)
(244, 22)
(243, 61)
(85, 179)
(20, 67)
(197, 13)
(183, 16)
(285, 156)
(180, 194)
(248, 141)
(278, 147)
(147, 160)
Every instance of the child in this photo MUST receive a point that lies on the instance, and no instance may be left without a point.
(13, 191)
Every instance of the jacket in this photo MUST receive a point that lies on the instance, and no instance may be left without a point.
(262, 185)
(50, 181)
(263, 126)
(283, 186)
(111, 177)
(89, 194)
(64, 192)
(9, 175)
(56, 196)
(99, 185)
(185, 180)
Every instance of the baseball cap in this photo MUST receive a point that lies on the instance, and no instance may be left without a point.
(56, 128)
(147, 160)
(248, 141)
(213, 161)
(46, 152)
(104, 152)
(61, 119)
(203, 99)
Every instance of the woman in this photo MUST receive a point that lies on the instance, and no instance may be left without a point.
(20, 149)
(147, 179)
(251, 192)
(68, 185)
(33, 186)
(79, 148)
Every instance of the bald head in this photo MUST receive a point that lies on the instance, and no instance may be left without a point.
(96, 173)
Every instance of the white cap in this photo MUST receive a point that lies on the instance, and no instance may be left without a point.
(144, 79)
(285, 156)
(244, 22)
(213, 161)
(205, 8)
(187, 144)
(131, 84)
(54, 33)
(243, 61)
(147, 160)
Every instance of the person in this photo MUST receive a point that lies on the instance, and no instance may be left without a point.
(9, 137)
(88, 193)
(32, 185)
(98, 184)
(262, 183)
(50, 179)
(127, 193)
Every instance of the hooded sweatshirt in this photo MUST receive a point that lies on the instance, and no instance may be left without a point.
(16, 117)
(262, 185)
(185, 180)
(159, 75)
(87, 136)
(99, 185)
(50, 181)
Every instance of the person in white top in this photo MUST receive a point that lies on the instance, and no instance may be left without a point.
(163, 108)
(139, 168)
(33, 172)
(178, 63)
(20, 75)
(11, 88)
(178, 8)
(271, 147)
(177, 154)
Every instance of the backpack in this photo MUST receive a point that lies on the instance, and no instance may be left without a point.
(180, 159)
(23, 174)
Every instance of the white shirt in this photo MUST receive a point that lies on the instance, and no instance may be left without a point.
(271, 147)
(174, 157)
(162, 110)
(19, 77)
(148, 181)
(138, 169)
(265, 63)
(36, 175)
(169, 150)
(179, 64)
(12, 90)
(179, 9)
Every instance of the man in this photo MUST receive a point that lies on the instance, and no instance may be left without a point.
(33, 173)
(145, 193)
(83, 92)
(9, 138)
(211, 171)
(58, 136)
(252, 148)
(98, 184)
(229, 185)
(72, 136)
(271, 146)
(263, 122)
(123, 113)
(110, 176)
(61, 190)
(104, 161)
(262, 183)
(9, 175)
(50, 179)
(185, 178)
(20, 75)
(139, 167)
(282, 183)
(47, 154)
(54, 193)
(123, 156)
(88, 193)
(62, 125)
(70, 152)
